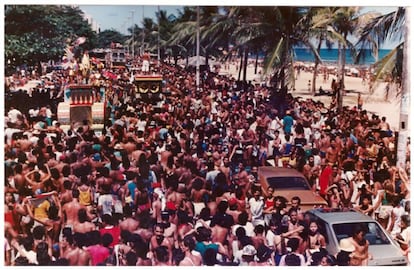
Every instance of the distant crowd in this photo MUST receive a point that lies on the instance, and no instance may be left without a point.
(174, 182)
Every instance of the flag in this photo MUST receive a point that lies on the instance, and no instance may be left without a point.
(38, 199)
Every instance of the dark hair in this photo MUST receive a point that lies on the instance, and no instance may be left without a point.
(203, 234)
(296, 198)
(293, 243)
(243, 218)
(259, 229)
(75, 193)
(67, 184)
(82, 215)
(342, 258)
(107, 239)
(53, 212)
(209, 257)
(357, 229)
(28, 242)
(189, 242)
(131, 258)
(292, 259)
(161, 253)
(39, 232)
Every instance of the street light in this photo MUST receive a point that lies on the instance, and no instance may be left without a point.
(133, 35)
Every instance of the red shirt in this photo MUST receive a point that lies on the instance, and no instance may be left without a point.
(324, 179)
(115, 231)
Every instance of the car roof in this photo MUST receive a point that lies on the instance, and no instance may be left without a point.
(347, 216)
(276, 171)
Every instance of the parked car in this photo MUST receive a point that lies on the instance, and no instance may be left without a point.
(336, 224)
(288, 183)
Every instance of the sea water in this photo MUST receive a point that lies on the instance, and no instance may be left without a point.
(330, 56)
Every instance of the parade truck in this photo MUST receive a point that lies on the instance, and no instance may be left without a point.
(83, 103)
(149, 89)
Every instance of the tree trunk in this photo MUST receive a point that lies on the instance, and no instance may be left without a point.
(246, 63)
(240, 67)
(257, 62)
(282, 78)
(341, 85)
(207, 56)
(315, 71)
(315, 74)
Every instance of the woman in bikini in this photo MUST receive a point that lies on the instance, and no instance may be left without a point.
(315, 240)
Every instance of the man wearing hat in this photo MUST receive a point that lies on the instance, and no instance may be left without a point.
(248, 254)
(288, 122)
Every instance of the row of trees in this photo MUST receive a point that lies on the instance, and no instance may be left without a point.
(274, 32)
(270, 31)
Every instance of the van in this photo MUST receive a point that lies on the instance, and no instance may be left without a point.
(336, 224)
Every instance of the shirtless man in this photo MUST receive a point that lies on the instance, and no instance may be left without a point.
(84, 225)
(197, 195)
(324, 144)
(158, 239)
(77, 256)
(333, 153)
(360, 256)
(170, 227)
(129, 223)
(70, 210)
(259, 238)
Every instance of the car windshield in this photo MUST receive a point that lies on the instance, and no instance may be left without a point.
(288, 182)
(375, 234)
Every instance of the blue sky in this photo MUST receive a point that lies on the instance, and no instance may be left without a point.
(121, 17)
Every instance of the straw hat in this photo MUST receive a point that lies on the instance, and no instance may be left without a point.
(346, 245)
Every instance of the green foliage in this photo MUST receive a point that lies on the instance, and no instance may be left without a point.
(106, 37)
(35, 33)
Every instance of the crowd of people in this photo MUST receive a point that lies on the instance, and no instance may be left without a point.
(174, 183)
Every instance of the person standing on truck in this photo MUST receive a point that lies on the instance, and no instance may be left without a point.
(145, 63)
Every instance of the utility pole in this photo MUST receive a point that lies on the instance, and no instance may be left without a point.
(198, 50)
(143, 32)
(405, 94)
(133, 34)
(158, 38)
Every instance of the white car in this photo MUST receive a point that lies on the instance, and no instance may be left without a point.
(337, 224)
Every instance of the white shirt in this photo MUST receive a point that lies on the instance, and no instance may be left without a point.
(256, 208)
(249, 228)
(14, 115)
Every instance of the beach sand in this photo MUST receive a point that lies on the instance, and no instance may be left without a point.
(373, 103)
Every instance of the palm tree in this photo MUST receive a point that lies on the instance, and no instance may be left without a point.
(341, 23)
(164, 30)
(392, 26)
(287, 32)
(384, 27)
(318, 30)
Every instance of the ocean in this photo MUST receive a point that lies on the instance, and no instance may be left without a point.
(330, 56)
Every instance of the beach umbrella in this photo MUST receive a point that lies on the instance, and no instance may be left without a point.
(192, 61)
